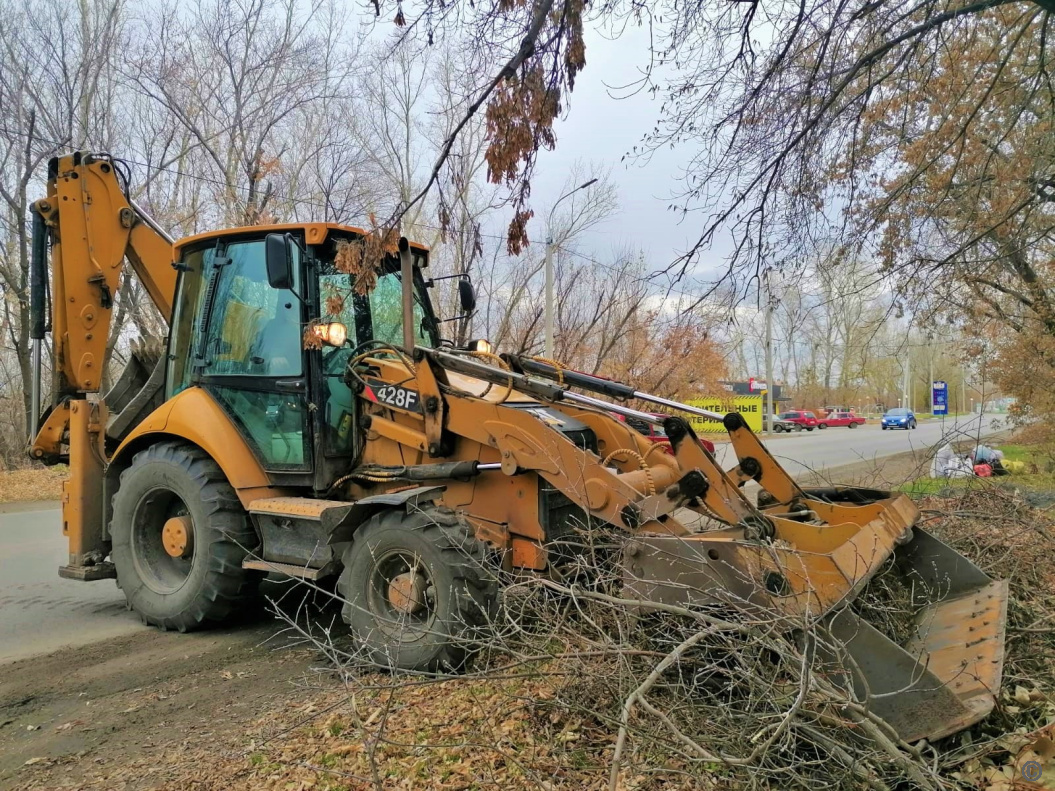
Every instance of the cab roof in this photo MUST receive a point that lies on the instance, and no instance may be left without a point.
(314, 233)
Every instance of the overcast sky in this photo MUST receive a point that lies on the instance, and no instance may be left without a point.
(601, 128)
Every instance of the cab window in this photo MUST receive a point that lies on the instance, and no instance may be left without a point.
(197, 264)
(376, 316)
(386, 313)
(255, 330)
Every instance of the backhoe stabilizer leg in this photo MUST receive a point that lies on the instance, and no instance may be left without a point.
(82, 495)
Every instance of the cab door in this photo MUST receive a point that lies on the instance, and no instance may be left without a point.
(246, 350)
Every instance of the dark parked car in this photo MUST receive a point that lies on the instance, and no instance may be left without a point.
(899, 417)
(780, 425)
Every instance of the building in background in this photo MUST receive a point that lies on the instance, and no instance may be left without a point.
(757, 387)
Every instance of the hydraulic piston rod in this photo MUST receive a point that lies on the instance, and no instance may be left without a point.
(606, 387)
(477, 368)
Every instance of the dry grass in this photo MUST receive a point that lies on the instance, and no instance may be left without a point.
(33, 483)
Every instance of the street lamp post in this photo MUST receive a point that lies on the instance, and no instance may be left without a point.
(769, 355)
(549, 267)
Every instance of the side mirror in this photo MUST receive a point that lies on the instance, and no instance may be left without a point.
(466, 295)
(279, 261)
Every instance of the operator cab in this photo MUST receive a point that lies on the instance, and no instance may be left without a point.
(266, 319)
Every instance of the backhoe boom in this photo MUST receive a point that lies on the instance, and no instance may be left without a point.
(92, 226)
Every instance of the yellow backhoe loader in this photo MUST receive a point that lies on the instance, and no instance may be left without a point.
(380, 453)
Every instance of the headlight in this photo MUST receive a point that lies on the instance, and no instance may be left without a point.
(332, 334)
(480, 345)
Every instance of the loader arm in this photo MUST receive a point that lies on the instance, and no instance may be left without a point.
(797, 559)
(92, 227)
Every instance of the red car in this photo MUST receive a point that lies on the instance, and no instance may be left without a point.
(807, 420)
(848, 419)
(656, 433)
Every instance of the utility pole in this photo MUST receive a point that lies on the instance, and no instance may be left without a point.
(930, 373)
(769, 355)
(549, 294)
(905, 384)
(549, 267)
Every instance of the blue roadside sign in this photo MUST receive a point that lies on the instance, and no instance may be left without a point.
(939, 398)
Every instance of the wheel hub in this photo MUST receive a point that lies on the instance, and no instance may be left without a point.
(177, 536)
(407, 592)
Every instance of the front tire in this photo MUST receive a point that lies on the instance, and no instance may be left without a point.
(418, 589)
(809, 428)
(179, 537)
(913, 426)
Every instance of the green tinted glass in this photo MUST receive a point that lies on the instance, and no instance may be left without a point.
(197, 266)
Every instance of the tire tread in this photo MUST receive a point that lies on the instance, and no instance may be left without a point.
(226, 586)
(475, 584)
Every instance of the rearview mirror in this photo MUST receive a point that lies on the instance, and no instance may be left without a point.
(279, 261)
(466, 295)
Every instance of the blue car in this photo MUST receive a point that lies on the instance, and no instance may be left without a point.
(899, 417)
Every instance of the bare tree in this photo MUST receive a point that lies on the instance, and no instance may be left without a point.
(57, 71)
(242, 79)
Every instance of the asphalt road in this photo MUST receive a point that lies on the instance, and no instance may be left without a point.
(818, 450)
(40, 613)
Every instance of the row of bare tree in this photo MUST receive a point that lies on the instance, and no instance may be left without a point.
(841, 336)
(256, 111)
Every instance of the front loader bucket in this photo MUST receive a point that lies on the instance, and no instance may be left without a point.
(814, 579)
(946, 675)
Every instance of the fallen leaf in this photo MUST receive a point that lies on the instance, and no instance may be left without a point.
(32, 761)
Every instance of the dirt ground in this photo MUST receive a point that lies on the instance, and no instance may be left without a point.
(140, 712)
(136, 712)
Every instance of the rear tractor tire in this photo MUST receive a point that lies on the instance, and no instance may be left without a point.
(419, 589)
(179, 536)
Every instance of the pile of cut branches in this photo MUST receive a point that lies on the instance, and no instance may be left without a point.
(578, 688)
